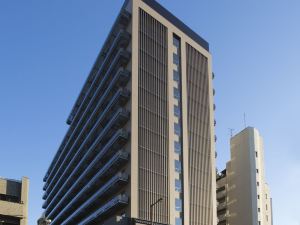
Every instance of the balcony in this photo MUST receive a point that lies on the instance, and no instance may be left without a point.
(222, 218)
(108, 208)
(96, 199)
(118, 120)
(222, 206)
(221, 194)
(121, 40)
(106, 171)
(115, 143)
(112, 40)
(119, 99)
(120, 60)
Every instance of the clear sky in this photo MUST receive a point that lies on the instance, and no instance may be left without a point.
(48, 47)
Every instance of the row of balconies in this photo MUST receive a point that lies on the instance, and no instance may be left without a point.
(98, 164)
(106, 102)
(106, 85)
(85, 202)
(119, 99)
(120, 24)
(120, 41)
(83, 156)
(115, 203)
(97, 199)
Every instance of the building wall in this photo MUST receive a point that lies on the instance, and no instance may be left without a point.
(248, 195)
(153, 118)
(202, 149)
(16, 204)
(151, 166)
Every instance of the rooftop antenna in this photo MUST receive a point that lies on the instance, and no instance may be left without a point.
(231, 131)
(245, 124)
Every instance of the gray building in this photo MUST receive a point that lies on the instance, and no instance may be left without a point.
(141, 131)
(14, 201)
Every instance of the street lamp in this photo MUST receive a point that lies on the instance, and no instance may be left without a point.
(151, 209)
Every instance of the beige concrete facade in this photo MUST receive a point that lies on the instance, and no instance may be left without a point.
(185, 39)
(242, 192)
(14, 201)
(171, 155)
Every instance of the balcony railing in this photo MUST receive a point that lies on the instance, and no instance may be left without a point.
(121, 59)
(121, 40)
(82, 208)
(115, 143)
(119, 118)
(117, 202)
(122, 95)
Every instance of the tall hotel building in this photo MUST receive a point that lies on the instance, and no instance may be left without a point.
(242, 192)
(141, 130)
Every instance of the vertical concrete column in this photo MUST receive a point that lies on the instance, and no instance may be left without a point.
(134, 110)
(24, 200)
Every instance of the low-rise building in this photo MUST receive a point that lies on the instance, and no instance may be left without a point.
(14, 201)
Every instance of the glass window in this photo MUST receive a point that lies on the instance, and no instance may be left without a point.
(176, 42)
(177, 129)
(176, 111)
(176, 93)
(178, 204)
(175, 75)
(177, 166)
(178, 221)
(175, 59)
(177, 146)
(178, 185)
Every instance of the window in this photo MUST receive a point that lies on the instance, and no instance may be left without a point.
(178, 204)
(256, 170)
(177, 166)
(258, 209)
(175, 59)
(9, 198)
(178, 221)
(177, 129)
(256, 154)
(176, 42)
(177, 146)
(266, 207)
(176, 75)
(178, 185)
(176, 111)
(258, 196)
(257, 183)
(176, 93)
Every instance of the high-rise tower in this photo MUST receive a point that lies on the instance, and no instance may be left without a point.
(141, 130)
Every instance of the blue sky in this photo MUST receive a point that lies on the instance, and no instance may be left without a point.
(48, 47)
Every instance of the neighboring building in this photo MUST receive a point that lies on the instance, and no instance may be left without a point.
(14, 201)
(141, 129)
(242, 192)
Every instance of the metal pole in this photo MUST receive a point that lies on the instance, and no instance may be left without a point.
(151, 209)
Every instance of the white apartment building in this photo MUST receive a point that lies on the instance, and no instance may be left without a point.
(242, 192)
